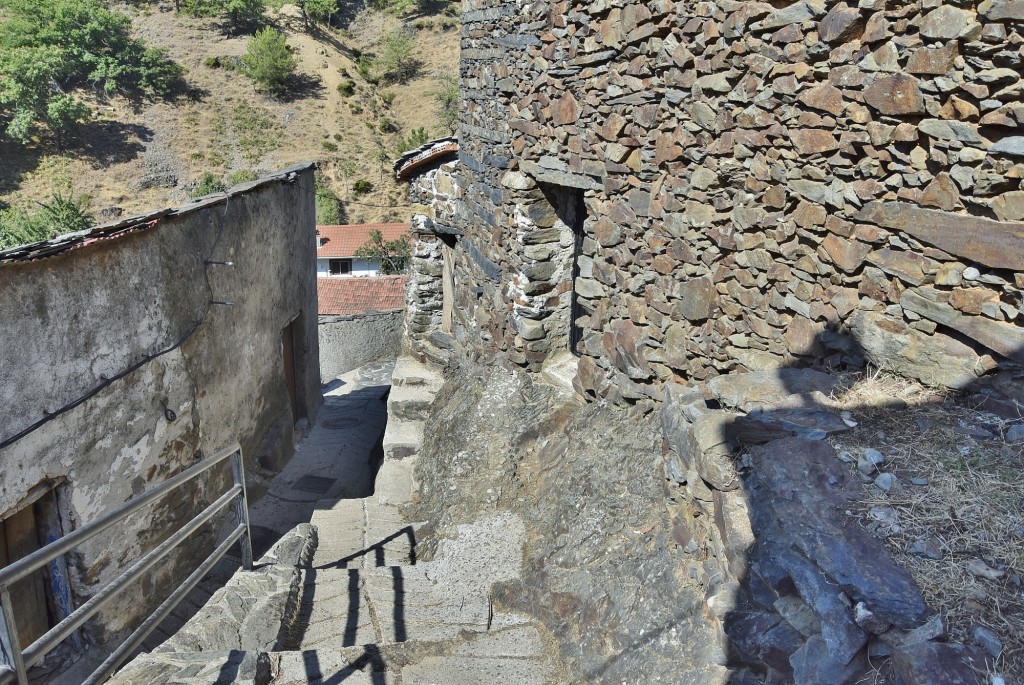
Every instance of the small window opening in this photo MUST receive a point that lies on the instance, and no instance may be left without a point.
(340, 267)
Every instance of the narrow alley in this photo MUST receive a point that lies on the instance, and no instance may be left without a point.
(338, 594)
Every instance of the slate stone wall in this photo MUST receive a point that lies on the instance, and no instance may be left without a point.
(764, 186)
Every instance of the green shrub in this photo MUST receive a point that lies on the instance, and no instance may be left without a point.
(329, 146)
(417, 137)
(212, 62)
(62, 214)
(447, 99)
(241, 176)
(393, 254)
(48, 48)
(269, 61)
(319, 11)
(328, 204)
(361, 187)
(347, 88)
(395, 59)
(337, 137)
(388, 125)
(208, 184)
(388, 97)
(238, 12)
(364, 67)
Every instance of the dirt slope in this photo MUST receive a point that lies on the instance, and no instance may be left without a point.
(140, 156)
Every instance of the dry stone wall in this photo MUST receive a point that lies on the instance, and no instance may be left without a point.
(764, 185)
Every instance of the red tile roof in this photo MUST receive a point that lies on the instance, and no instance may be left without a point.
(343, 296)
(343, 241)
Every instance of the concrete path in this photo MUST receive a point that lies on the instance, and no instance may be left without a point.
(336, 461)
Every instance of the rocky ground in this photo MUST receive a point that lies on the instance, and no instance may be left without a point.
(944, 486)
(772, 527)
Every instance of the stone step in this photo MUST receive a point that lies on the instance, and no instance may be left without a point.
(312, 667)
(402, 439)
(410, 402)
(384, 605)
(410, 372)
(512, 656)
(361, 534)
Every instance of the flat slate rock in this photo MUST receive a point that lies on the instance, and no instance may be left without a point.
(927, 663)
(806, 487)
(765, 388)
(810, 424)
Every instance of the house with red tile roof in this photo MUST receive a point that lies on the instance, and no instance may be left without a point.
(337, 246)
(346, 296)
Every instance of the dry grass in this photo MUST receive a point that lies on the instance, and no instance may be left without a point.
(191, 137)
(972, 504)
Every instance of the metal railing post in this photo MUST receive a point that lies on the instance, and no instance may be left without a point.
(11, 634)
(15, 662)
(241, 507)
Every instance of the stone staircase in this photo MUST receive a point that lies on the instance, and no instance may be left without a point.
(344, 599)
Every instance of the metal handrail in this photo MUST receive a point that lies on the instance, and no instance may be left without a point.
(16, 661)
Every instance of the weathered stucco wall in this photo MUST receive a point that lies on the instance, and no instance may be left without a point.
(98, 339)
(764, 186)
(348, 342)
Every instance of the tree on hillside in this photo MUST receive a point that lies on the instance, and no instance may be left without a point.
(447, 98)
(269, 61)
(393, 254)
(49, 48)
(318, 12)
(417, 137)
(395, 59)
(239, 13)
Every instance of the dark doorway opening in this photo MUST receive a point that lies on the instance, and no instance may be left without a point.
(41, 600)
(575, 309)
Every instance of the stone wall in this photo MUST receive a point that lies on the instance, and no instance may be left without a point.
(141, 350)
(435, 199)
(348, 342)
(764, 186)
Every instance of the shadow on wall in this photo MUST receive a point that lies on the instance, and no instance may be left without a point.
(809, 590)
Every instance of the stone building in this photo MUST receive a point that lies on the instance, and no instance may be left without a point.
(132, 350)
(687, 208)
(680, 190)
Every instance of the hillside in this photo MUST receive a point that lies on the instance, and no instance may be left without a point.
(136, 156)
